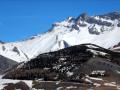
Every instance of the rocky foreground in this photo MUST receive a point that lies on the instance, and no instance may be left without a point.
(108, 83)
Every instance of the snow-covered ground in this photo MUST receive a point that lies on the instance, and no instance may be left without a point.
(95, 82)
(100, 82)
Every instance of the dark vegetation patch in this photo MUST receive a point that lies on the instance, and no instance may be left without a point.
(69, 64)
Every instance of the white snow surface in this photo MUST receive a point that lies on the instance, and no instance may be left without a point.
(61, 34)
(94, 78)
(110, 84)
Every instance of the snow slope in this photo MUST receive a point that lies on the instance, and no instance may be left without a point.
(103, 30)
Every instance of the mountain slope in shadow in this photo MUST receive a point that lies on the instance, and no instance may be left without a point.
(69, 64)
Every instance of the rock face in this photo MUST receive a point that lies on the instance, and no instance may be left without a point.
(112, 15)
(20, 86)
(69, 64)
(92, 20)
(6, 63)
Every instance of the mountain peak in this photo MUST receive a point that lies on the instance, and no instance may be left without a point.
(72, 31)
(70, 18)
(82, 16)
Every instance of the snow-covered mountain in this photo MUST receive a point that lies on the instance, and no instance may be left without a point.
(103, 30)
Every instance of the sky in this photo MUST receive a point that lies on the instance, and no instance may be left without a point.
(21, 19)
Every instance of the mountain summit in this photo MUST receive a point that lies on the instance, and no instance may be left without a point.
(103, 30)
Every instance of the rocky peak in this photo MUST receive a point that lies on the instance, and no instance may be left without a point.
(82, 17)
(70, 19)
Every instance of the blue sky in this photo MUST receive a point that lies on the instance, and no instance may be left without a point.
(20, 19)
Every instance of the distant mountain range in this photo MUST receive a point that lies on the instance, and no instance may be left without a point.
(103, 30)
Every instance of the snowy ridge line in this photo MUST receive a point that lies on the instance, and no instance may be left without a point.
(100, 48)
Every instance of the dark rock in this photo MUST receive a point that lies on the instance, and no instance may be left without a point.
(92, 20)
(75, 27)
(85, 18)
(112, 15)
(6, 63)
(9, 86)
(118, 24)
(82, 17)
(22, 86)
